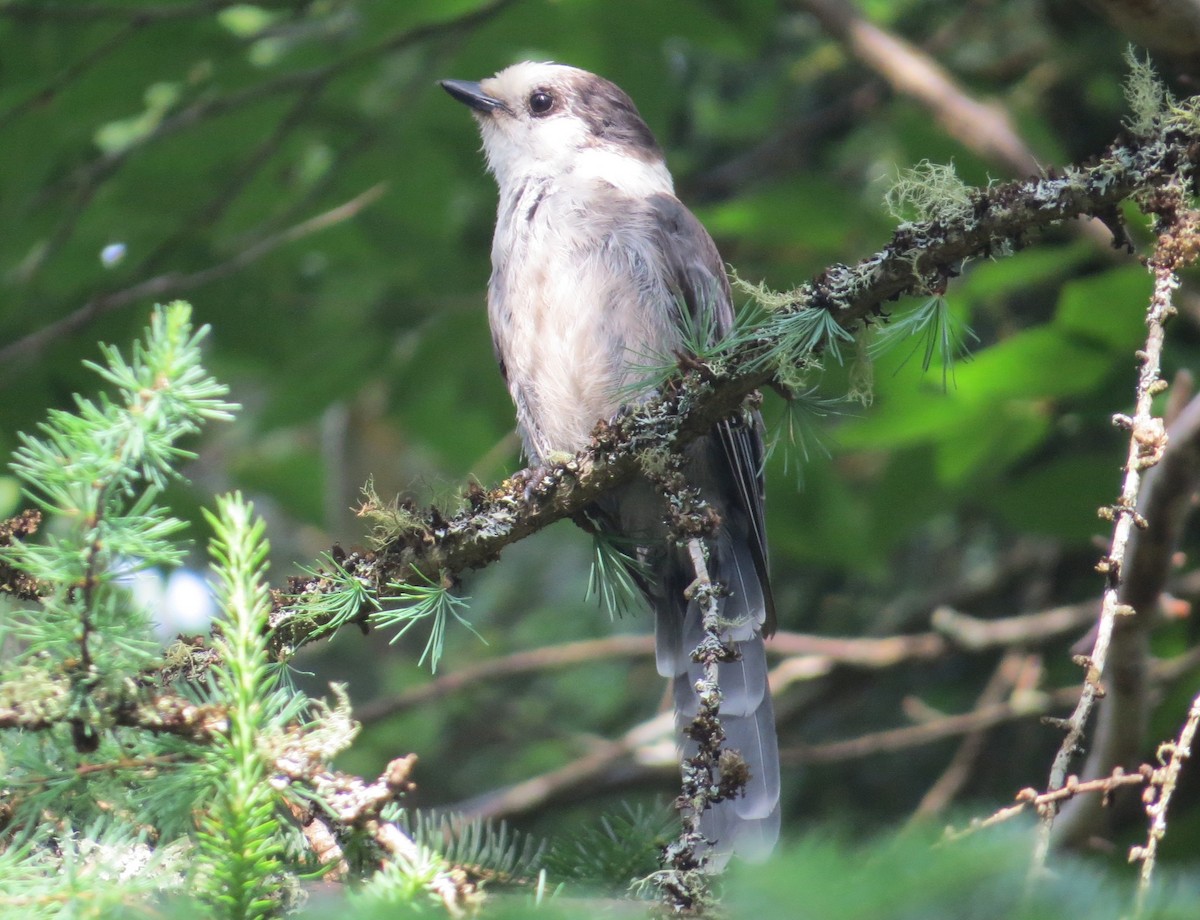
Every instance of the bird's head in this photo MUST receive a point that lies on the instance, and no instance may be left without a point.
(551, 120)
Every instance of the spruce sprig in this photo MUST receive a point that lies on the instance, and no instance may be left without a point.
(239, 834)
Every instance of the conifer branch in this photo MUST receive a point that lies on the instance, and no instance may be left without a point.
(920, 260)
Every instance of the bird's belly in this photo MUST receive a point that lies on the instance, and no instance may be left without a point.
(566, 363)
(573, 321)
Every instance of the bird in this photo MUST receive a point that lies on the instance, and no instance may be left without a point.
(597, 265)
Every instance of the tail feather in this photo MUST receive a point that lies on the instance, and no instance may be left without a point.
(749, 824)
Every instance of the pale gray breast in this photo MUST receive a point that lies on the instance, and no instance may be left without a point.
(580, 307)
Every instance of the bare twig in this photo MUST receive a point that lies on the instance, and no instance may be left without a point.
(891, 740)
(534, 661)
(594, 768)
(977, 635)
(1147, 443)
(1047, 801)
(1121, 723)
(807, 656)
(240, 177)
(1158, 798)
(77, 12)
(73, 72)
(87, 180)
(958, 771)
(648, 745)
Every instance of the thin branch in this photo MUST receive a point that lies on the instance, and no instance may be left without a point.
(1158, 798)
(147, 13)
(647, 748)
(807, 656)
(88, 178)
(939, 796)
(71, 73)
(1121, 723)
(1047, 801)
(1147, 443)
(979, 635)
(533, 661)
(892, 740)
(241, 176)
(596, 767)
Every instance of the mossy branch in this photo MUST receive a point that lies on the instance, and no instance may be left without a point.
(920, 260)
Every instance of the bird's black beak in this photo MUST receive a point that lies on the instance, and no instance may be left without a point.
(471, 94)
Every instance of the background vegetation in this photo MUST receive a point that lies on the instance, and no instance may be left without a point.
(292, 169)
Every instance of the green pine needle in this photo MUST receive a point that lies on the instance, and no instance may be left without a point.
(619, 848)
(800, 429)
(485, 849)
(429, 601)
(614, 575)
(334, 607)
(938, 333)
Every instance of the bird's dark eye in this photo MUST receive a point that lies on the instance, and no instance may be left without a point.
(540, 102)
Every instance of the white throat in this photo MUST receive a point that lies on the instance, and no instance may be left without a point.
(631, 175)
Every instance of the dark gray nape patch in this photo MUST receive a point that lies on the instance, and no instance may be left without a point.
(612, 118)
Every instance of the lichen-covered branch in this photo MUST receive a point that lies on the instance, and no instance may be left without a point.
(920, 258)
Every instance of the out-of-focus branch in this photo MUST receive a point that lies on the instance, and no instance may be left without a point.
(977, 634)
(534, 661)
(807, 656)
(1169, 26)
(148, 12)
(648, 747)
(171, 284)
(892, 740)
(981, 127)
(649, 743)
(85, 182)
(71, 73)
(958, 771)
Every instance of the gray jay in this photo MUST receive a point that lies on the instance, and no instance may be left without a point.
(594, 263)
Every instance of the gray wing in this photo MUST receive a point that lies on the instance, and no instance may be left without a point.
(698, 275)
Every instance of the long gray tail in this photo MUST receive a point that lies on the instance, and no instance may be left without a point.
(747, 825)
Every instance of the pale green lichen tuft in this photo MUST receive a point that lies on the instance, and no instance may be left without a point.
(389, 520)
(763, 295)
(1152, 107)
(930, 192)
(1148, 99)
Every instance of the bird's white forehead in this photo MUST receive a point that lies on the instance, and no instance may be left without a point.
(519, 78)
